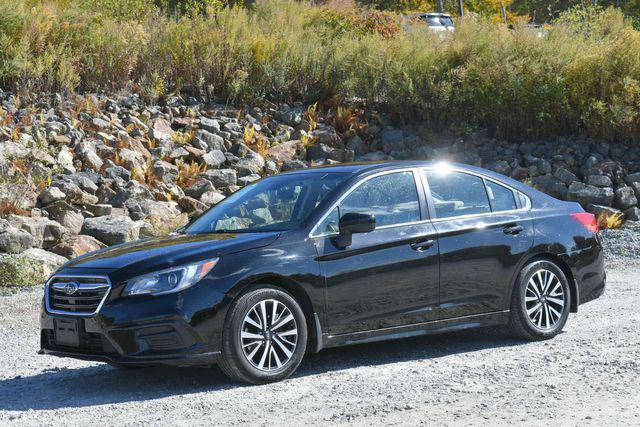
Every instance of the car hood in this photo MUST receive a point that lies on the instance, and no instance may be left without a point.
(147, 255)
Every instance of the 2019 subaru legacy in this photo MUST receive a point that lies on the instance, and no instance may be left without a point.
(325, 257)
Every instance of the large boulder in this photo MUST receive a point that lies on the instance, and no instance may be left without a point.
(112, 230)
(31, 267)
(140, 209)
(588, 194)
(599, 181)
(14, 240)
(625, 198)
(51, 195)
(287, 151)
(214, 158)
(46, 232)
(565, 176)
(133, 190)
(74, 246)
(220, 178)
(392, 140)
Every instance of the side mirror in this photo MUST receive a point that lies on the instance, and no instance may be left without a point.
(351, 223)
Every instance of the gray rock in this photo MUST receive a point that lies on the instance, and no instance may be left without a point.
(114, 172)
(75, 246)
(133, 190)
(214, 158)
(625, 198)
(599, 181)
(248, 179)
(46, 232)
(588, 194)
(565, 176)
(636, 189)
(220, 178)
(325, 135)
(634, 177)
(197, 189)
(632, 214)
(105, 210)
(86, 152)
(192, 206)
(140, 209)
(210, 125)
(357, 145)
(32, 267)
(51, 195)
(599, 210)
(211, 198)
(392, 140)
(112, 230)
(210, 140)
(72, 221)
(270, 167)
(287, 151)
(165, 171)
(13, 240)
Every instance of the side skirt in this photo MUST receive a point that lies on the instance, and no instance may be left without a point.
(418, 329)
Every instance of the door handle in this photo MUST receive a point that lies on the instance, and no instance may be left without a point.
(512, 229)
(422, 245)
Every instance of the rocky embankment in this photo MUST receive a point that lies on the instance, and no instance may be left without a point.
(80, 173)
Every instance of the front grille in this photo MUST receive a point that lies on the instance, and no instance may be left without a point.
(81, 296)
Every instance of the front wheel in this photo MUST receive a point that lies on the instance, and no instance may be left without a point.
(264, 337)
(540, 301)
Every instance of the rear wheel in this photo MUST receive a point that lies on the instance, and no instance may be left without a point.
(540, 301)
(264, 337)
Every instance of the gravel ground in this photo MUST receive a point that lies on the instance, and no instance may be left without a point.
(587, 375)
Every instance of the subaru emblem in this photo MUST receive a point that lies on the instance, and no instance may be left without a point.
(71, 288)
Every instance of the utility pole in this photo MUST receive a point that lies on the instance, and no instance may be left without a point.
(460, 8)
(440, 6)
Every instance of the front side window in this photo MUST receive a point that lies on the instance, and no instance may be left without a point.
(277, 203)
(457, 193)
(392, 198)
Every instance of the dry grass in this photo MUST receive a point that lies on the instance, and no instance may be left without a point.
(581, 77)
(8, 207)
(610, 221)
(188, 172)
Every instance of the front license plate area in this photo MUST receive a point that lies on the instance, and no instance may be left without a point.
(67, 332)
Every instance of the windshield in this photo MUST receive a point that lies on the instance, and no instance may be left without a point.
(277, 203)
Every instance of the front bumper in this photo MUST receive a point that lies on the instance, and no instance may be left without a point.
(168, 342)
(181, 329)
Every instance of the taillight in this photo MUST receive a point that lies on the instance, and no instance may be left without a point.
(588, 220)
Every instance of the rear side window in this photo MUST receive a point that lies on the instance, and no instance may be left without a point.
(392, 198)
(501, 197)
(457, 193)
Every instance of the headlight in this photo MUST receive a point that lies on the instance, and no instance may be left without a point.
(170, 280)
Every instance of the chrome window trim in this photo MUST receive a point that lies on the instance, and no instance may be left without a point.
(86, 286)
(358, 184)
(484, 177)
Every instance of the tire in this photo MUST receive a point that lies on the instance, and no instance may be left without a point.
(536, 313)
(248, 349)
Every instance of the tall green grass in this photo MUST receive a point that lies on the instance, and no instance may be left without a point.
(583, 76)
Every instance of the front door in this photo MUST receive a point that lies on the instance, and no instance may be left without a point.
(387, 277)
(482, 236)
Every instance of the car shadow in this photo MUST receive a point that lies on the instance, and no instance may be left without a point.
(101, 384)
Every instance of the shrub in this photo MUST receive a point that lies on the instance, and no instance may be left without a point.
(583, 76)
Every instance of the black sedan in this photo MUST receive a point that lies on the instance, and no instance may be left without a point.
(325, 257)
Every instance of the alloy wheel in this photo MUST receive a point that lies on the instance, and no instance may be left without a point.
(269, 335)
(545, 299)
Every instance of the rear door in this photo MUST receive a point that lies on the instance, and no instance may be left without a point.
(387, 277)
(483, 233)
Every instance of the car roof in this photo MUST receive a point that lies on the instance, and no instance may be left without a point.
(366, 168)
